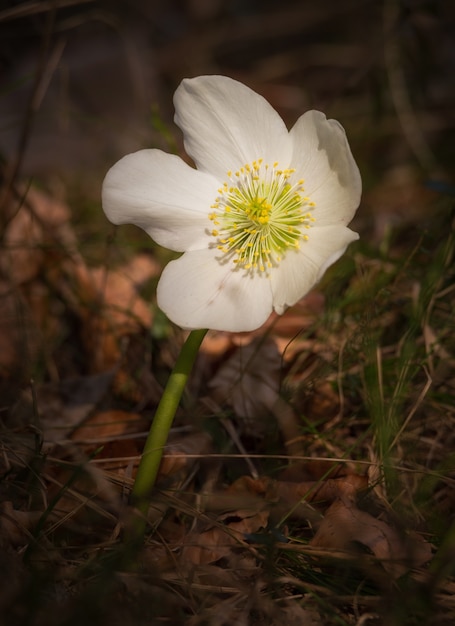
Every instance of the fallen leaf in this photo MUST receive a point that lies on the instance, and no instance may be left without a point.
(320, 492)
(217, 542)
(296, 615)
(110, 424)
(38, 225)
(111, 307)
(62, 406)
(344, 525)
(316, 469)
(15, 525)
(182, 453)
(83, 496)
(107, 303)
(249, 382)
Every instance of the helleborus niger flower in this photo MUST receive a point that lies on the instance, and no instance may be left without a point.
(261, 218)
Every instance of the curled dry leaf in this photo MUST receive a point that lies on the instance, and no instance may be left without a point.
(218, 541)
(344, 524)
(265, 496)
(318, 492)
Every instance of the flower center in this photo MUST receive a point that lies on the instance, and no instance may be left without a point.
(259, 215)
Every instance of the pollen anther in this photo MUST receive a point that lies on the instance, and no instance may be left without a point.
(260, 215)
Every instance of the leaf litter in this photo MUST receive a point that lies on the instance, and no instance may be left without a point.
(278, 405)
(364, 366)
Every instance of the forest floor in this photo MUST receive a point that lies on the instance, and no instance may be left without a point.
(310, 472)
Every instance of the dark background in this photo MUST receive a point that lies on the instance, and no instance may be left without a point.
(84, 83)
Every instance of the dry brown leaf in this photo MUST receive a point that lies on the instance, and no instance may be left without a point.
(344, 525)
(112, 435)
(247, 484)
(14, 525)
(108, 425)
(39, 239)
(39, 223)
(126, 309)
(217, 542)
(296, 615)
(37, 231)
(180, 454)
(316, 469)
(322, 492)
(62, 406)
(83, 496)
(317, 492)
(249, 382)
(297, 500)
(108, 304)
(111, 307)
(323, 403)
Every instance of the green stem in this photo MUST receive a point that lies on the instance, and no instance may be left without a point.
(159, 430)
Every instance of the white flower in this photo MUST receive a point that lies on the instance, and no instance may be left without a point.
(260, 219)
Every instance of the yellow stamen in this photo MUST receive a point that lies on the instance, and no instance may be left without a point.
(260, 215)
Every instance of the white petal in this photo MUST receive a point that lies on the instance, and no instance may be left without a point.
(163, 195)
(226, 125)
(300, 270)
(322, 157)
(196, 291)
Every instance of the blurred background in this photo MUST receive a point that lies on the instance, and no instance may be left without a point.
(85, 81)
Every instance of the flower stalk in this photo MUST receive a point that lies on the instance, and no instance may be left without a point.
(161, 425)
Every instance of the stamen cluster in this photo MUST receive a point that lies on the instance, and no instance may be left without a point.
(259, 214)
